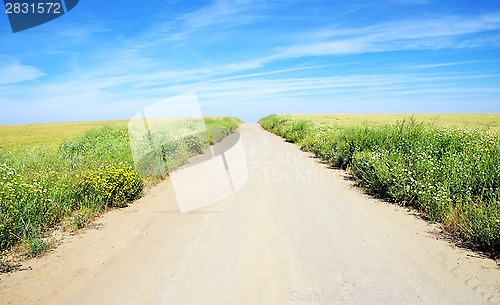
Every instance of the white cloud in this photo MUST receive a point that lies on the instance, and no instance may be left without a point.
(220, 12)
(436, 33)
(443, 64)
(74, 100)
(12, 72)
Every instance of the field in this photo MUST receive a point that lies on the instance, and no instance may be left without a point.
(447, 166)
(49, 135)
(481, 121)
(64, 174)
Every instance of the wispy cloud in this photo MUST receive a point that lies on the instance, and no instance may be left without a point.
(226, 12)
(445, 64)
(437, 33)
(12, 72)
(218, 15)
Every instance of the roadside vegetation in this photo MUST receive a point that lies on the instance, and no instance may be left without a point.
(451, 174)
(66, 183)
(48, 135)
(468, 121)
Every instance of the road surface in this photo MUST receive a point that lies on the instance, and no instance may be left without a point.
(296, 233)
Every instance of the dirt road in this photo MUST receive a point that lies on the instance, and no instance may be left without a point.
(296, 233)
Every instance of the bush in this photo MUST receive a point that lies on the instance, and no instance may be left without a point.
(112, 186)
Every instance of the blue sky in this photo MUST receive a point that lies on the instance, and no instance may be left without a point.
(110, 59)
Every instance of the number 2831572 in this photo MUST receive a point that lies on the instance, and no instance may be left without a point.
(33, 8)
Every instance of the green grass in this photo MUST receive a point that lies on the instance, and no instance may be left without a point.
(67, 176)
(482, 121)
(451, 174)
(49, 135)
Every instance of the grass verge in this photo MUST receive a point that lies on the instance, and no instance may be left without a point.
(43, 187)
(450, 174)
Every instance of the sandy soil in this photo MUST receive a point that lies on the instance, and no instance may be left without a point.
(296, 233)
